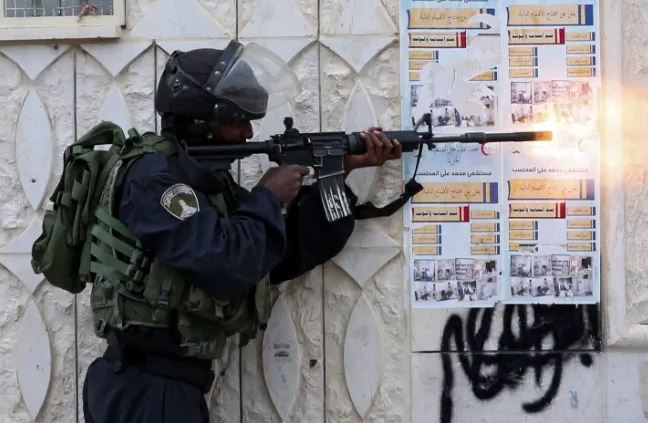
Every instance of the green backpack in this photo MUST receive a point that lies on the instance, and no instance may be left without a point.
(62, 252)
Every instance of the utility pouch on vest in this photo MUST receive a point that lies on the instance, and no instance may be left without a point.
(61, 253)
(164, 291)
(204, 305)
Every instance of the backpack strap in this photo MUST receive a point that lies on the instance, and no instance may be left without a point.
(116, 253)
(89, 211)
(110, 169)
(105, 133)
(149, 142)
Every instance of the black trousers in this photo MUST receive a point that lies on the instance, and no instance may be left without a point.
(133, 395)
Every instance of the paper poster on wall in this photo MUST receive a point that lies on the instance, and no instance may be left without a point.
(503, 222)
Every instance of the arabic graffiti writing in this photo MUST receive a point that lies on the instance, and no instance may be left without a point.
(564, 327)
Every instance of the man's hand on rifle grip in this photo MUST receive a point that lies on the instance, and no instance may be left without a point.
(284, 181)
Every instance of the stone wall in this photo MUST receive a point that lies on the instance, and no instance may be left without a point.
(355, 352)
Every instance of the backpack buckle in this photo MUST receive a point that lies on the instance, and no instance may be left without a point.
(133, 139)
(128, 144)
(193, 349)
(72, 150)
(100, 327)
(132, 133)
(67, 153)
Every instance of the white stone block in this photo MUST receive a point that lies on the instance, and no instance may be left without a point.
(281, 358)
(34, 148)
(363, 357)
(33, 59)
(33, 359)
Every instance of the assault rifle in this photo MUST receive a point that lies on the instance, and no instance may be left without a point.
(325, 151)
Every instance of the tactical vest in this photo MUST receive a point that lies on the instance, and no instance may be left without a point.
(131, 288)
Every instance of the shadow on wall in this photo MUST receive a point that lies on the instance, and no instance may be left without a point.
(569, 327)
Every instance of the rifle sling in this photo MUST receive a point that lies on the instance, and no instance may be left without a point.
(369, 211)
(412, 187)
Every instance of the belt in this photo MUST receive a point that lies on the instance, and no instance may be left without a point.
(194, 371)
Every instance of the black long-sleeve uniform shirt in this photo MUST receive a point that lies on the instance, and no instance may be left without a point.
(164, 202)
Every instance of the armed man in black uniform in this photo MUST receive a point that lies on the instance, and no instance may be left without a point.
(213, 249)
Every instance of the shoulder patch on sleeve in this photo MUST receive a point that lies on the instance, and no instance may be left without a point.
(180, 201)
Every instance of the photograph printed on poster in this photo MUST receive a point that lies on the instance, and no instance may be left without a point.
(560, 264)
(521, 287)
(573, 113)
(582, 272)
(444, 114)
(464, 269)
(520, 266)
(580, 92)
(561, 91)
(542, 266)
(424, 291)
(414, 95)
(542, 92)
(417, 102)
(561, 101)
(542, 287)
(467, 290)
(445, 269)
(432, 292)
(531, 113)
(485, 268)
(447, 291)
(423, 270)
(532, 287)
(487, 288)
(564, 287)
(583, 284)
(487, 115)
(521, 92)
(580, 264)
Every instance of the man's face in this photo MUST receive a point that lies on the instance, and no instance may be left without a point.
(233, 132)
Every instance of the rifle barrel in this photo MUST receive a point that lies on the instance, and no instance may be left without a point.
(410, 140)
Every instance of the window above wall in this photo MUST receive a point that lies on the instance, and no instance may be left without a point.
(61, 19)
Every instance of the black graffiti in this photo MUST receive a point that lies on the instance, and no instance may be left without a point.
(560, 327)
